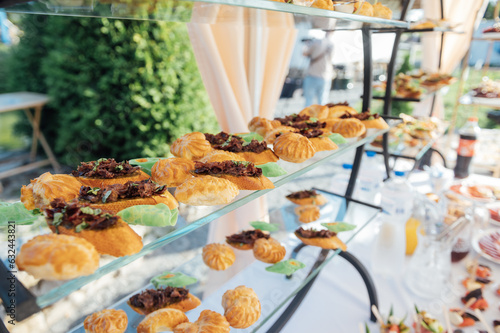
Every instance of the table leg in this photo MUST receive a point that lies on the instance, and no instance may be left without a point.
(40, 137)
(35, 123)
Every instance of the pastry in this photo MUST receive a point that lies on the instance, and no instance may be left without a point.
(274, 133)
(261, 125)
(307, 213)
(268, 250)
(310, 197)
(241, 307)
(363, 8)
(293, 119)
(151, 300)
(206, 191)
(243, 174)
(162, 320)
(218, 256)
(323, 143)
(106, 171)
(114, 198)
(382, 11)
(106, 321)
(42, 190)
(316, 111)
(349, 128)
(323, 4)
(253, 151)
(208, 322)
(108, 233)
(57, 257)
(322, 238)
(220, 156)
(368, 119)
(172, 171)
(192, 146)
(329, 122)
(335, 110)
(293, 147)
(245, 240)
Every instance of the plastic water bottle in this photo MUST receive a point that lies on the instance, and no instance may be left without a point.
(370, 179)
(341, 180)
(390, 245)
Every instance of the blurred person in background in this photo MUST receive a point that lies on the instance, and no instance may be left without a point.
(319, 75)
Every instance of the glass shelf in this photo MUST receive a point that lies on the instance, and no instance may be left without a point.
(405, 99)
(468, 99)
(274, 290)
(190, 219)
(199, 11)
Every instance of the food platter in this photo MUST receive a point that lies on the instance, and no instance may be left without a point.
(487, 244)
(478, 192)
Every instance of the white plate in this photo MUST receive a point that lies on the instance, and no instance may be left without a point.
(477, 248)
(495, 102)
(465, 192)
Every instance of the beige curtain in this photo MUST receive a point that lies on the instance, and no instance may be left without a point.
(243, 56)
(465, 14)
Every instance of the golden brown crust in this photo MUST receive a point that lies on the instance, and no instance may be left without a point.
(57, 257)
(271, 135)
(349, 128)
(382, 11)
(206, 191)
(331, 243)
(221, 156)
(307, 213)
(185, 305)
(318, 200)
(106, 321)
(293, 147)
(316, 111)
(330, 122)
(114, 207)
(42, 190)
(162, 320)
(259, 158)
(261, 125)
(337, 111)
(240, 246)
(102, 182)
(250, 183)
(192, 146)
(218, 256)
(323, 143)
(268, 250)
(323, 4)
(378, 123)
(241, 307)
(366, 8)
(118, 240)
(172, 171)
(208, 322)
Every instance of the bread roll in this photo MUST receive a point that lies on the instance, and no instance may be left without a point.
(220, 156)
(102, 182)
(208, 322)
(57, 257)
(162, 320)
(349, 128)
(172, 171)
(206, 191)
(293, 147)
(316, 111)
(106, 321)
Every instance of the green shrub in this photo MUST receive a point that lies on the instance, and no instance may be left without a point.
(118, 88)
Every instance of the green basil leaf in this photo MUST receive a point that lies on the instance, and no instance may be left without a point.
(94, 191)
(57, 220)
(248, 137)
(119, 167)
(264, 226)
(312, 120)
(18, 213)
(81, 226)
(272, 169)
(286, 267)
(90, 211)
(150, 215)
(173, 279)
(339, 226)
(337, 138)
(106, 195)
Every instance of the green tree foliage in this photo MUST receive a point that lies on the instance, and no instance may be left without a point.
(118, 88)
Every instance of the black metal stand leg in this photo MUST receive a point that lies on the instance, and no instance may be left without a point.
(370, 286)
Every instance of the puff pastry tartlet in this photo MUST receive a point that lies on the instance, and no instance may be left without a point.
(261, 125)
(57, 257)
(322, 238)
(208, 322)
(268, 250)
(307, 197)
(218, 256)
(42, 190)
(323, 143)
(307, 213)
(274, 133)
(368, 119)
(220, 156)
(316, 111)
(293, 147)
(162, 320)
(339, 109)
(241, 307)
(192, 146)
(107, 171)
(349, 128)
(245, 240)
(382, 11)
(363, 8)
(106, 321)
(151, 300)
(206, 191)
(172, 171)
(243, 174)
